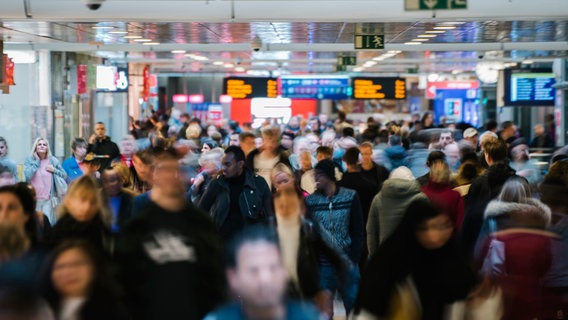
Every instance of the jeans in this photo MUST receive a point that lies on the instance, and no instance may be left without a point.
(347, 285)
(45, 206)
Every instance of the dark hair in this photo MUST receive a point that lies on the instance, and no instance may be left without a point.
(20, 303)
(348, 132)
(246, 134)
(325, 150)
(495, 148)
(425, 115)
(351, 156)
(26, 198)
(255, 233)
(146, 156)
(100, 122)
(78, 142)
(102, 285)
(491, 125)
(470, 157)
(237, 153)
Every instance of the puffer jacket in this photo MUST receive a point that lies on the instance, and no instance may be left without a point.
(255, 200)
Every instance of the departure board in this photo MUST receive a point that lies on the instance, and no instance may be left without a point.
(379, 88)
(311, 87)
(250, 87)
(529, 87)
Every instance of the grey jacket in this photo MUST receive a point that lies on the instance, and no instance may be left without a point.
(31, 165)
(388, 208)
(255, 200)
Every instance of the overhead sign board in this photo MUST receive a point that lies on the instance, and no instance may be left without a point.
(311, 87)
(347, 61)
(412, 5)
(431, 87)
(369, 41)
(250, 87)
(379, 88)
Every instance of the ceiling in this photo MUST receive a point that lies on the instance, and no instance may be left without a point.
(296, 36)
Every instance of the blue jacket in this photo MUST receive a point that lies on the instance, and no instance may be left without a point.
(72, 168)
(294, 311)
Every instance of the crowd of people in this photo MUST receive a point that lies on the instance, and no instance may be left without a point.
(181, 219)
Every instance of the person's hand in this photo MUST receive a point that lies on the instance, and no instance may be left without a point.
(324, 302)
(199, 179)
(50, 168)
(92, 139)
(36, 156)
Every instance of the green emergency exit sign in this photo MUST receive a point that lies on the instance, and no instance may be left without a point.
(410, 5)
(369, 41)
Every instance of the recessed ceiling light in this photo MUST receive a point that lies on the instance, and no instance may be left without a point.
(142, 40)
(358, 69)
(151, 43)
(229, 65)
(132, 37)
(450, 23)
(239, 69)
(379, 58)
(178, 51)
(118, 32)
(528, 61)
(218, 63)
(435, 31)
(412, 43)
(420, 39)
(200, 58)
(444, 27)
(102, 27)
(427, 36)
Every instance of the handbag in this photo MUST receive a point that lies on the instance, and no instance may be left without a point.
(494, 262)
(59, 185)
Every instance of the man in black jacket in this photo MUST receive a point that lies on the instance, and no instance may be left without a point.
(237, 197)
(169, 253)
(101, 145)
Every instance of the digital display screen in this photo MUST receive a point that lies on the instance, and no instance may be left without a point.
(334, 88)
(112, 78)
(531, 87)
(250, 87)
(379, 88)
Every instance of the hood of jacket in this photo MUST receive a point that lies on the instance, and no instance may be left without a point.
(397, 152)
(533, 210)
(399, 188)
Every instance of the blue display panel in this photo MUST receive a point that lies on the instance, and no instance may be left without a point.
(334, 88)
(531, 87)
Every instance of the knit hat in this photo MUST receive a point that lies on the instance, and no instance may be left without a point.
(326, 167)
(517, 142)
(402, 173)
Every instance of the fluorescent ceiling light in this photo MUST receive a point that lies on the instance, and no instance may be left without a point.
(427, 36)
(229, 65)
(239, 69)
(132, 37)
(528, 61)
(151, 43)
(142, 40)
(420, 39)
(412, 43)
(358, 69)
(218, 63)
(178, 51)
(102, 27)
(200, 58)
(444, 27)
(450, 23)
(118, 32)
(435, 31)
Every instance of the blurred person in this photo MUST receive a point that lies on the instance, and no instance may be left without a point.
(283, 178)
(101, 145)
(471, 135)
(90, 166)
(261, 161)
(17, 303)
(337, 212)
(5, 160)
(293, 125)
(287, 140)
(395, 153)
(6, 176)
(452, 152)
(211, 130)
(72, 165)
(522, 163)
(519, 222)
(22, 256)
(480, 154)
(508, 131)
(116, 198)
(170, 247)
(328, 138)
(208, 145)
(314, 141)
(442, 196)
(238, 197)
(433, 156)
(82, 215)
(142, 170)
(306, 174)
(389, 205)
(127, 150)
(467, 172)
(541, 138)
(124, 173)
(427, 121)
(256, 273)
(365, 188)
(483, 189)
(491, 126)
(258, 142)
(369, 168)
(39, 169)
(431, 267)
(446, 137)
(184, 121)
(299, 144)
(234, 139)
(78, 285)
(341, 121)
(210, 165)
(247, 142)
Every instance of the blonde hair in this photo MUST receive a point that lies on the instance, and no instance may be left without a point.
(85, 187)
(281, 168)
(440, 172)
(34, 146)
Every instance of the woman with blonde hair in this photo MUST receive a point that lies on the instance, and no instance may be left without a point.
(39, 169)
(283, 178)
(82, 215)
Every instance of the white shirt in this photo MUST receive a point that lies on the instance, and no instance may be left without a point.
(289, 236)
(70, 309)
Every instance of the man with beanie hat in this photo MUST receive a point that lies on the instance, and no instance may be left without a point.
(337, 213)
(522, 163)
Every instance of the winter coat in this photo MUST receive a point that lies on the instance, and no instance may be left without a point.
(447, 200)
(31, 165)
(396, 156)
(104, 147)
(528, 255)
(388, 208)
